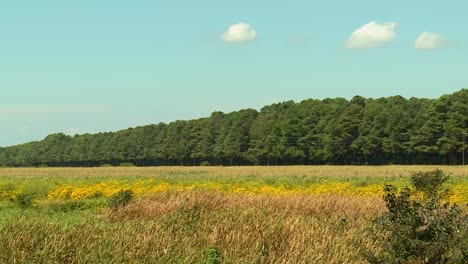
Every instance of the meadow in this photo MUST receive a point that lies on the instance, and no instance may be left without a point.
(297, 214)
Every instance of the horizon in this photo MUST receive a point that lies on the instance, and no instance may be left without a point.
(81, 66)
(207, 116)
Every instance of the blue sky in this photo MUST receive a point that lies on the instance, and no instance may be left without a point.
(79, 66)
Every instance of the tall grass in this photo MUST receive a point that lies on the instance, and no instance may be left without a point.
(177, 227)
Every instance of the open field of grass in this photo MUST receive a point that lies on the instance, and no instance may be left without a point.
(299, 214)
(321, 171)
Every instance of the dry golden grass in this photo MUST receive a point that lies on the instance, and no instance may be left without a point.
(262, 229)
(322, 171)
(153, 206)
(176, 227)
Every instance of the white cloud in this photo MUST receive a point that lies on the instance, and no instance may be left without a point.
(239, 33)
(372, 35)
(429, 40)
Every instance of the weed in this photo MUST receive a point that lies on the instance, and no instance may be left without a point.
(121, 199)
(212, 255)
(25, 200)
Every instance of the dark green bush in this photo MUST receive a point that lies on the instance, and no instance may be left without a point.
(212, 255)
(120, 199)
(127, 164)
(422, 229)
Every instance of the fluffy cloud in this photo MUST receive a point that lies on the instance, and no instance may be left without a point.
(372, 35)
(239, 33)
(429, 40)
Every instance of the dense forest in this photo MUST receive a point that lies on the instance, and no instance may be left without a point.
(391, 130)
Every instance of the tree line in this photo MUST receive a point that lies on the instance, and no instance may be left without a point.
(391, 130)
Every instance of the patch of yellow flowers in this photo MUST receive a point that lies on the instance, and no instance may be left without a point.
(459, 194)
(9, 195)
(150, 186)
(107, 188)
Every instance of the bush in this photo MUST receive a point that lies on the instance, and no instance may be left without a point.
(120, 199)
(106, 165)
(420, 226)
(127, 164)
(25, 200)
(212, 255)
(431, 184)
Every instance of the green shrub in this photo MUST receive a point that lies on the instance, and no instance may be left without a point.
(120, 199)
(422, 229)
(25, 200)
(127, 164)
(212, 255)
(106, 165)
(204, 163)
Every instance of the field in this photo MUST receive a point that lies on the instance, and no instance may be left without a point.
(298, 214)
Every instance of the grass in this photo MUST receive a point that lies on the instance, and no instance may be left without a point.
(294, 214)
(258, 171)
(177, 227)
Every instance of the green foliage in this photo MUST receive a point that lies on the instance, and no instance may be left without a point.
(24, 195)
(391, 130)
(127, 164)
(423, 229)
(25, 199)
(212, 255)
(204, 163)
(120, 199)
(64, 206)
(431, 184)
